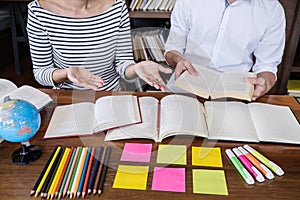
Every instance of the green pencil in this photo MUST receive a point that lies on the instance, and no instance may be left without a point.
(74, 171)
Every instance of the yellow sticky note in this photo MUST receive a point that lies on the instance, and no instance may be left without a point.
(171, 154)
(205, 156)
(209, 182)
(131, 177)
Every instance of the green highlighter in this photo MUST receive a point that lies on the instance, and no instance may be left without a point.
(240, 167)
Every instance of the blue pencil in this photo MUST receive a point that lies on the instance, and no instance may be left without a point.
(83, 172)
(96, 166)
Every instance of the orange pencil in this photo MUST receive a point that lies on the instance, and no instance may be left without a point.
(88, 173)
(65, 165)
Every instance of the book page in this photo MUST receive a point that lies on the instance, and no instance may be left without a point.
(38, 98)
(275, 123)
(147, 129)
(71, 120)
(200, 85)
(116, 111)
(6, 87)
(229, 121)
(233, 84)
(181, 115)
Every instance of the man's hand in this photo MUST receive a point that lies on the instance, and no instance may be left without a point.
(262, 83)
(84, 78)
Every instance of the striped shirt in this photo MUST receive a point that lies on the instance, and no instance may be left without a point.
(101, 44)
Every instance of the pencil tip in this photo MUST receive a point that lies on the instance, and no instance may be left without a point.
(99, 192)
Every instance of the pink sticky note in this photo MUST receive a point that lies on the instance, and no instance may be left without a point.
(169, 179)
(135, 152)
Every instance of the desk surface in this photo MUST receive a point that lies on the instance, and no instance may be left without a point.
(17, 181)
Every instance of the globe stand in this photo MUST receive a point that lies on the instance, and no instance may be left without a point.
(26, 154)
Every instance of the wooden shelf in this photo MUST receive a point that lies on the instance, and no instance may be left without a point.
(150, 14)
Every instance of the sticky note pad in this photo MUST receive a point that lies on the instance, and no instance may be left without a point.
(204, 156)
(135, 152)
(131, 177)
(168, 179)
(171, 154)
(209, 182)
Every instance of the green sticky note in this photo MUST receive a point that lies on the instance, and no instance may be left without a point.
(171, 154)
(209, 182)
(205, 156)
(131, 177)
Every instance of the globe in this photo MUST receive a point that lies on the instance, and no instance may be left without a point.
(20, 121)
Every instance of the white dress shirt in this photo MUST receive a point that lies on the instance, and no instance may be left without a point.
(227, 38)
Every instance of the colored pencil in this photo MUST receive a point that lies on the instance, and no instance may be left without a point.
(99, 171)
(47, 192)
(83, 172)
(74, 171)
(95, 169)
(48, 179)
(78, 173)
(70, 171)
(61, 172)
(66, 170)
(88, 172)
(43, 172)
(49, 167)
(103, 174)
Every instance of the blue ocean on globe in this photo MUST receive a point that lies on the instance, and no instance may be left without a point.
(19, 120)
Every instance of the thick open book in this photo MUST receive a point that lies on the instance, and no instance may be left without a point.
(86, 118)
(232, 120)
(38, 98)
(173, 115)
(215, 84)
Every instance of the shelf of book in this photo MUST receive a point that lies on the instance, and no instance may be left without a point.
(150, 14)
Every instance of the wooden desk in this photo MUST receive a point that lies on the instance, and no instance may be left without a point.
(17, 181)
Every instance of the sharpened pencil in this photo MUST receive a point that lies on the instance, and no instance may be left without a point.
(96, 166)
(104, 170)
(43, 172)
(74, 172)
(66, 170)
(83, 172)
(88, 173)
(42, 183)
(99, 171)
(70, 172)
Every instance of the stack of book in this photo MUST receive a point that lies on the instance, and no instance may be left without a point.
(149, 45)
(162, 5)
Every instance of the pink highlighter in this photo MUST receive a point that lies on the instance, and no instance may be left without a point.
(255, 173)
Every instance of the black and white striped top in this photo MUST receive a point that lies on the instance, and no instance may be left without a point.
(101, 44)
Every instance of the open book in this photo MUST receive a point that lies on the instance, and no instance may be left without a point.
(87, 118)
(215, 84)
(38, 98)
(236, 121)
(173, 115)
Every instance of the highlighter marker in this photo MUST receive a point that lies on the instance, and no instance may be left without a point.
(275, 168)
(261, 167)
(240, 168)
(256, 174)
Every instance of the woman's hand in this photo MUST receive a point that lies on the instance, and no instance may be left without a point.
(84, 78)
(149, 72)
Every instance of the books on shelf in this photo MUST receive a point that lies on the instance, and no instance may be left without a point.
(236, 121)
(28, 93)
(293, 88)
(86, 118)
(215, 84)
(161, 5)
(149, 45)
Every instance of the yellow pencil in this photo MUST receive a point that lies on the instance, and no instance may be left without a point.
(46, 173)
(57, 174)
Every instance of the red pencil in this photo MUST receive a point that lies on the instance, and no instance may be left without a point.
(88, 173)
